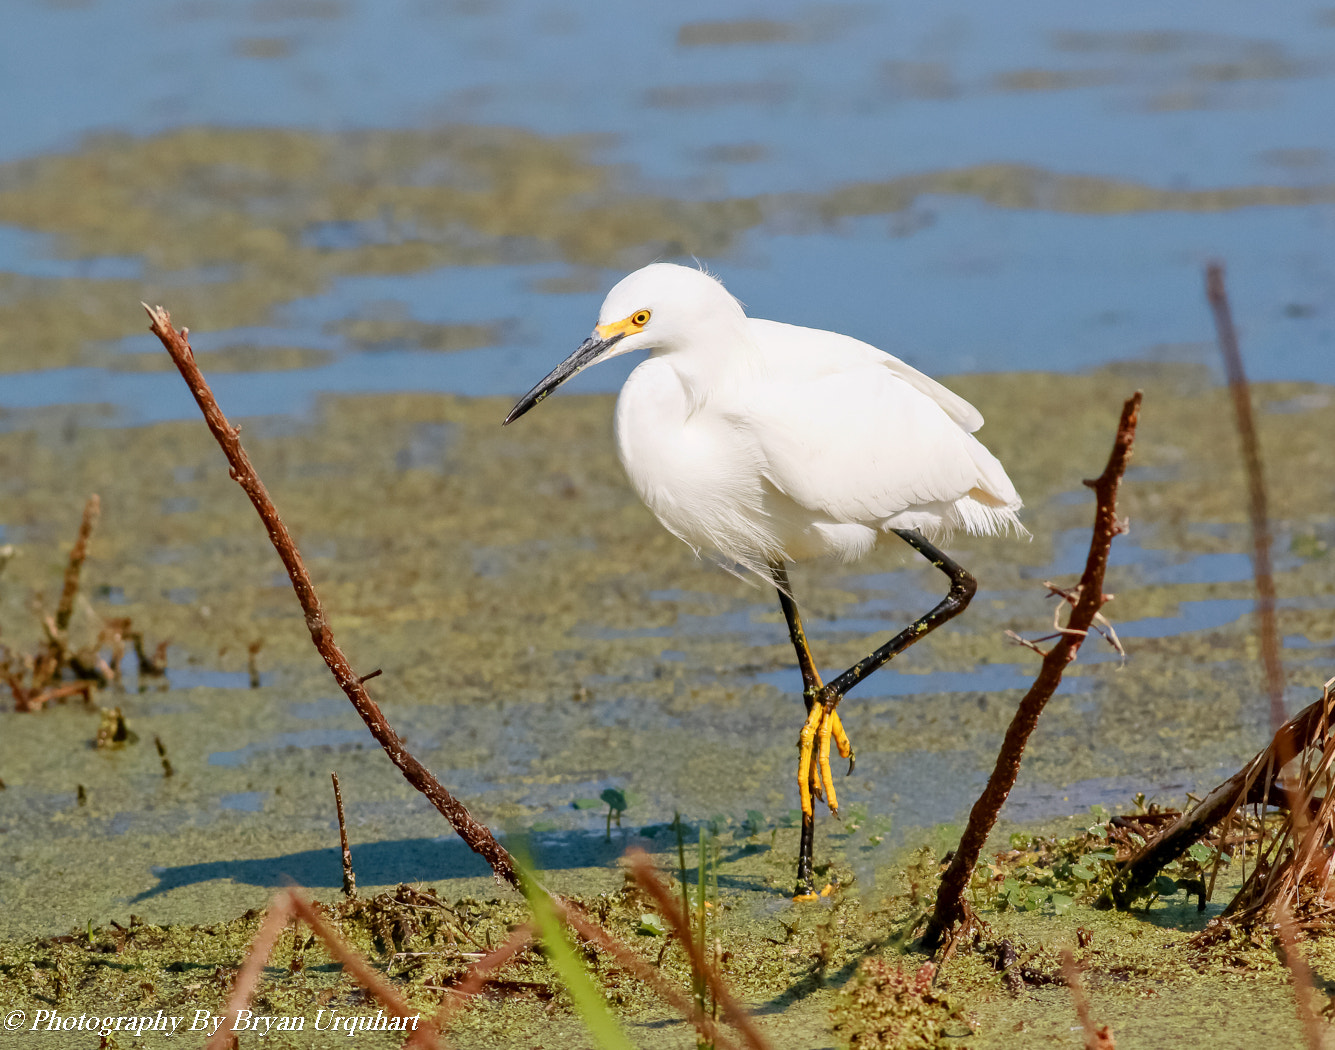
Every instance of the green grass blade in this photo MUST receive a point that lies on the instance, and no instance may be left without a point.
(588, 1000)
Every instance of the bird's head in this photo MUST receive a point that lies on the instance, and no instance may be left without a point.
(662, 307)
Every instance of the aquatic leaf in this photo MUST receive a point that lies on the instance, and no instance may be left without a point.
(616, 799)
(1061, 903)
(587, 803)
(651, 925)
(1201, 854)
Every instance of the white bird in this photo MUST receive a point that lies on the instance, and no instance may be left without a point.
(767, 443)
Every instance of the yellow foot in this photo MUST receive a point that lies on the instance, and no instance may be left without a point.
(801, 897)
(814, 742)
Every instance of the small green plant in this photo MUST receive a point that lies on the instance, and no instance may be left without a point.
(754, 822)
(617, 802)
(696, 913)
(1039, 872)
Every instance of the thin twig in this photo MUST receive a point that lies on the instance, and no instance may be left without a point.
(1256, 497)
(349, 876)
(951, 907)
(637, 967)
(248, 977)
(645, 877)
(47, 666)
(1302, 978)
(480, 973)
(91, 510)
(475, 835)
(1095, 1038)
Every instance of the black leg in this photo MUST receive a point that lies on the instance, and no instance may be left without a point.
(806, 850)
(962, 588)
(811, 686)
(817, 775)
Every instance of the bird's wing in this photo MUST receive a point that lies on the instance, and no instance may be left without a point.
(815, 350)
(866, 442)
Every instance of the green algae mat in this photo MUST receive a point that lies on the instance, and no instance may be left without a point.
(543, 642)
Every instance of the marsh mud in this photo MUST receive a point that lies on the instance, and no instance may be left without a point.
(542, 639)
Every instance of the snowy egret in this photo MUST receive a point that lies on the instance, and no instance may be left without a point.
(768, 443)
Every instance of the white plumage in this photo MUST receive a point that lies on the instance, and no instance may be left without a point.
(766, 442)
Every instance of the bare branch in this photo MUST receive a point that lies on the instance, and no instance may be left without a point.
(951, 908)
(476, 835)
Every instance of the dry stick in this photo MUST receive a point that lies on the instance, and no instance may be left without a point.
(425, 1033)
(1095, 1038)
(637, 967)
(643, 870)
(480, 972)
(1256, 498)
(349, 877)
(248, 977)
(47, 666)
(91, 510)
(477, 836)
(1302, 978)
(951, 907)
(35, 703)
(1251, 784)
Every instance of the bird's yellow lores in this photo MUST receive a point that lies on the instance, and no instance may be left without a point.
(767, 443)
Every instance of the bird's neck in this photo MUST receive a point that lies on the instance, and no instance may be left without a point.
(708, 370)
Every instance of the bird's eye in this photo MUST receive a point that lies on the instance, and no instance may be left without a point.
(640, 319)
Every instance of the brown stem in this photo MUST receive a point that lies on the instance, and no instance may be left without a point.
(248, 977)
(1302, 978)
(91, 510)
(477, 836)
(1096, 1038)
(48, 667)
(1256, 498)
(951, 907)
(645, 877)
(637, 967)
(349, 877)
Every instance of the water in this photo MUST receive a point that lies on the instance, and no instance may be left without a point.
(972, 189)
(358, 199)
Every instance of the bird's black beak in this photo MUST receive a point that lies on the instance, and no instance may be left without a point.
(585, 354)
